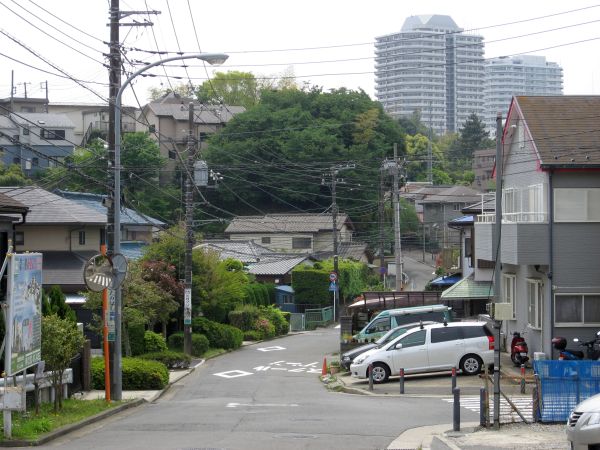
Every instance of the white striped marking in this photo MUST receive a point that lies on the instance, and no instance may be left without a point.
(507, 414)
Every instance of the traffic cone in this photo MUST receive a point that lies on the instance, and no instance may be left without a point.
(324, 370)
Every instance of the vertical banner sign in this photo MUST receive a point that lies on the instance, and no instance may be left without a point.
(24, 291)
(187, 307)
(110, 315)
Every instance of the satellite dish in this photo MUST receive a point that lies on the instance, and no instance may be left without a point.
(103, 272)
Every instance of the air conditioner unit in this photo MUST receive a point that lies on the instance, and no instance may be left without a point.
(501, 311)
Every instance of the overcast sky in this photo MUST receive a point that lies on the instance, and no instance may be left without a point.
(327, 43)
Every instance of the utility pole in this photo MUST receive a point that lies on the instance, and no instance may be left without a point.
(382, 267)
(496, 254)
(189, 235)
(45, 84)
(12, 89)
(25, 83)
(429, 150)
(397, 243)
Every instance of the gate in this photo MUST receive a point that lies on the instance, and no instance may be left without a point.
(318, 317)
(297, 322)
(563, 384)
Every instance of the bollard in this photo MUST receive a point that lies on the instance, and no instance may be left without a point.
(453, 378)
(370, 369)
(535, 404)
(522, 378)
(482, 402)
(456, 411)
(402, 381)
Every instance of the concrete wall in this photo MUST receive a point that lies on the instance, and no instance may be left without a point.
(58, 238)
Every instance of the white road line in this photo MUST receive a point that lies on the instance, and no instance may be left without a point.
(524, 404)
(262, 405)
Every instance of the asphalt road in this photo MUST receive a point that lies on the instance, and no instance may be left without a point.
(263, 396)
(419, 274)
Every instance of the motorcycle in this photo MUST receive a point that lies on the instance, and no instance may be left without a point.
(560, 344)
(518, 349)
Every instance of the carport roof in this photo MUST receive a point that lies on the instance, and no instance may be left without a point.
(469, 289)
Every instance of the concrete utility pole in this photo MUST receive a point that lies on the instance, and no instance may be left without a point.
(429, 151)
(496, 254)
(397, 242)
(189, 235)
(382, 267)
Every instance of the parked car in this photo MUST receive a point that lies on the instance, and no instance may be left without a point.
(583, 425)
(392, 318)
(437, 347)
(349, 356)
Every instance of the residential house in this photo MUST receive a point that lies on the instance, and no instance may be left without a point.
(11, 212)
(291, 233)
(168, 119)
(23, 105)
(35, 140)
(483, 166)
(549, 251)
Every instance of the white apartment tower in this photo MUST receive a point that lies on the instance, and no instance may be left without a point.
(517, 75)
(431, 66)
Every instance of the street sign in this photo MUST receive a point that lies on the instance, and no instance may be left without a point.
(333, 276)
(332, 286)
(111, 313)
(187, 307)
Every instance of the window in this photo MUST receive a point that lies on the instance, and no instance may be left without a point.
(172, 154)
(413, 339)
(379, 325)
(535, 297)
(300, 242)
(27, 164)
(25, 131)
(19, 238)
(509, 282)
(265, 240)
(577, 309)
(53, 134)
(577, 205)
(82, 238)
(288, 299)
(35, 162)
(16, 160)
(445, 334)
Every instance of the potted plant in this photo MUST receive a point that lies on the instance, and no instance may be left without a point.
(334, 367)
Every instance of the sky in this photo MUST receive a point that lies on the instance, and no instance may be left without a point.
(324, 43)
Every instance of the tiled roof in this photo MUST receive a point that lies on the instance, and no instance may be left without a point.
(43, 120)
(454, 194)
(564, 129)
(244, 251)
(9, 205)
(278, 266)
(346, 250)
(94, 201)
(48, 208)
(171, 105)
(468, 288)
(64, 268)
(286, 223)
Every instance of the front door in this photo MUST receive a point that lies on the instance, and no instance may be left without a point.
(412, 357)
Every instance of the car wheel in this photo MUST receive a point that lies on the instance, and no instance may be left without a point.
(381, 373)
(471, 364)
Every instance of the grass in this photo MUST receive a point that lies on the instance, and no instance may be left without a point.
(28, 426)
(212, 352)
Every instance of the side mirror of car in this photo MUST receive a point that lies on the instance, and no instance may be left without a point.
(398, 346)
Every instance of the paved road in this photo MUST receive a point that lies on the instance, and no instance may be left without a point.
(260, 397)
(419, 274)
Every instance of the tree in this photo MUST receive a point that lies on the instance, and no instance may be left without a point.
(472, 136)
(232, 88)
(12, 176)
(54, 302)
(61, 340)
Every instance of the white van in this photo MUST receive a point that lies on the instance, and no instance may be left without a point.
(467, 346)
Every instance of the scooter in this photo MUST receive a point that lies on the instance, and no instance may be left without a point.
(560, 344)
(518, 349)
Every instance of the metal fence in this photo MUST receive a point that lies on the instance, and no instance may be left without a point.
(297, 322)
(318, 317)
(563, 384)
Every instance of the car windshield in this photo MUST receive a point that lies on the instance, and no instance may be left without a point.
(392, 334)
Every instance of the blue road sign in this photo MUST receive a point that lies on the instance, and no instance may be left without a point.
(332, 286)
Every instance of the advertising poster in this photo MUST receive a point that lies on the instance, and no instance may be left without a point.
(24, 321)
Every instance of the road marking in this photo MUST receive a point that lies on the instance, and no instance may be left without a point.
(270, 349)
(507, 414)
(262, 405)
(233, 374)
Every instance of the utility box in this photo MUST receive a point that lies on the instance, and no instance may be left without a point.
(501, 311)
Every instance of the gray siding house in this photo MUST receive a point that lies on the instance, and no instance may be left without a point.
(550, 242)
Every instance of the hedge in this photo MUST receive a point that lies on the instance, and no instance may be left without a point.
(138, 374)
(200, 343)
(136, 339)
(154, 342)
(171, 359)
(219, 335)
(311, 287)
(244, 317)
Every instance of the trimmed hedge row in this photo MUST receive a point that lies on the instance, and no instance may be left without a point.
(171, 359)
(259, 322)
(199, 343)
(219, 335)
(138, 374)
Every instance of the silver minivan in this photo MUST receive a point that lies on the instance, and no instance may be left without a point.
(467, 346)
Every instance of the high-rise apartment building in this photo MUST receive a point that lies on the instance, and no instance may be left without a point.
(517, 75)
(433, 67)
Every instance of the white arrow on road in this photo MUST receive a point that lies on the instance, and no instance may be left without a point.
(261, 405)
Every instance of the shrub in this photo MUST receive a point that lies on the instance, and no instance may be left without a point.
(154, 342)
(277, 318)
(138, 374)
(265, 327)
(173, 360)
(175, 341)
(311, 286)
(244, 317)
(252, 335)
(219, 335)
(136, 339)
(199, 344)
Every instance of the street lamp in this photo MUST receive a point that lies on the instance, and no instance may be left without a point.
(211, 58)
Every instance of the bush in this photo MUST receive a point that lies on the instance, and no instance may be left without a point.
(200, 344)
(175, 341)
(219, 335)
(311, 286)
(244, 317)
(173, 360)
(265, 327)
(154, 342)
(138, 374)
(136, 339)
(252, 335)
(277, 318)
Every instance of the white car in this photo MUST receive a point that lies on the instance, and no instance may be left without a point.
(583, 426)
(438, 347)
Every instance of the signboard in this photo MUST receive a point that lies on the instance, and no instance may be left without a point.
(332, 286)
(24, 320)
(187, 307)
(110, 315)
(333, 276)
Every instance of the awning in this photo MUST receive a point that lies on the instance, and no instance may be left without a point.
(469, 289)
(446, 280)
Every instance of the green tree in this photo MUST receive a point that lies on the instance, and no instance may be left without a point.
(61, 340)
(12, 176)
(472, 136)
(54, 302)
(232, 88)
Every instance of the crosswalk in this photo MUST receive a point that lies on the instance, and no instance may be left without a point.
(507, 413)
